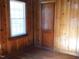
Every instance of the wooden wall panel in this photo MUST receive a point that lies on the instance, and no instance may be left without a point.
(48, 0)
(66, 26)
(0, 29)
(37, 26)
(15, 44)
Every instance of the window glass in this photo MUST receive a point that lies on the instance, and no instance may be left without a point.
(17, 18)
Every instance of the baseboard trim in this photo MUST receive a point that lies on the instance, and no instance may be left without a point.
(60, 51)
(66, 52)
(45, 48)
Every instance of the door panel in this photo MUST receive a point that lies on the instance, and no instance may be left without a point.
(47, 25)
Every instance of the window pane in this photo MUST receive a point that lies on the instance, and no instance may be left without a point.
(17, 18)
(17, 9)
(17, 14)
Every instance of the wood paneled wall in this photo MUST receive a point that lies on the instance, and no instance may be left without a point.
(66, 26)
(37, 26)
(7, 44)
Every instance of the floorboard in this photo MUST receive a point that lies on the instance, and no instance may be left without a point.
(36, 53)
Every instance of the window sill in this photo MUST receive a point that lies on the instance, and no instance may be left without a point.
(21, 36)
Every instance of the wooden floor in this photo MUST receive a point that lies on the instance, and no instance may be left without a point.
(36, 53)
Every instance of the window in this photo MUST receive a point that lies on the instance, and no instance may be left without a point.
(17, 18)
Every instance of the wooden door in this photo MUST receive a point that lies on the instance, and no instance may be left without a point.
(47, 20)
